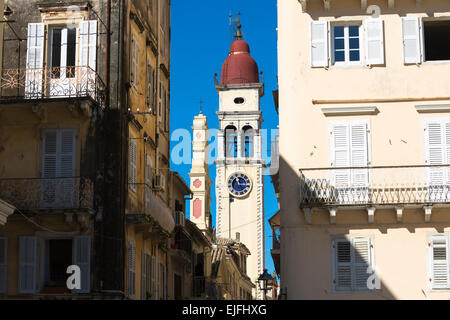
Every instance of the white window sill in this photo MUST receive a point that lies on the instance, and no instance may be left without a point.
(347, 65)
(437, 62)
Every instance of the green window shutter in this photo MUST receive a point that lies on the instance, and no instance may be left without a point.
(27, 264)
(3, 264)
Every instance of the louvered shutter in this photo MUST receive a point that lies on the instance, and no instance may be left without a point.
(153, 277)
(340, 148)
(49, 168)
(3, 264)
(35, 60)
(362, 258)
(143, 275)
(158, 284)
(155, 89)
(149, 87)
(88, 44)
(359, 153)
(67, 193)
(27, 264)
(87, 60)
(132, 165)
(435, 151)
(439, 257)
(411, 40)
(131, 268)
(82, 258)
(148, 181)
(374, 41)
(134, 61)
(343, 265)
(319, 44)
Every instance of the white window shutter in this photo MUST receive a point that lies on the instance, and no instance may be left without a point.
(362, 258)
(319, 43)
(411, 40)
(342, 265)
(374, 41)
(27, 264)
(340, 149)
(35, 60)
(3, 264)
(439, 259)
(88, 44)
(435, 150)
(359, 153)
(82, 258)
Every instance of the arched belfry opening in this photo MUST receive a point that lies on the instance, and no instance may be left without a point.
(249, 141)
(231, 142)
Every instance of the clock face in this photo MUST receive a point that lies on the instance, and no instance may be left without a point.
(239, 185)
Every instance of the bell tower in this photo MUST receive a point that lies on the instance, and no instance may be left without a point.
(239, 164)
(200, 180)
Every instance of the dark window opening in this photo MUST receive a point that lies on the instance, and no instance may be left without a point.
(71, 52)
(56, 53)
(248, 142)
(231, 142)
(436, 35)
(58, 258)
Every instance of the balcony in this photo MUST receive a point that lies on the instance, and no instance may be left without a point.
(63, 194)
(51, 83)
(375, 186)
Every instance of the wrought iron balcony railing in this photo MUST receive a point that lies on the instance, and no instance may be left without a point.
(48, 194)
(400, 185)
(52, 82)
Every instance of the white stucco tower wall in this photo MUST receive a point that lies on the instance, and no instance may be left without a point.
(200, 181)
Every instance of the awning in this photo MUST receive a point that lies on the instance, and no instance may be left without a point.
(159, 211)
(5, 211)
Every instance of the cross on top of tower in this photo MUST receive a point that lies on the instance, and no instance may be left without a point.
(237, 21)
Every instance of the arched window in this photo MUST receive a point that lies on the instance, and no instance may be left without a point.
(231, 144)
(249, 149)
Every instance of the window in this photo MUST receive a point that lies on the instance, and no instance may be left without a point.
(58, 256)
(71, 52)
(3, 264)
(434, 32)
(437, 149)
(352, 43)
(352, 259)
(349, 145)
(58, 168)
(346, 44)
(146, 276)
(423, 40)
(439, 262)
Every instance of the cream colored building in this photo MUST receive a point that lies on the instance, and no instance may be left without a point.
(364, 149)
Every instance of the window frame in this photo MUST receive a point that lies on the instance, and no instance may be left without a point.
(422, 50)
(347, 61)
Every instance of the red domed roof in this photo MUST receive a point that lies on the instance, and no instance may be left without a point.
(239, 68)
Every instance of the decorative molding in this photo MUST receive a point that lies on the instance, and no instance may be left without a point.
(347, 111)
(431, 108)
(371, 214)
(138, 21)
(428, 211)
(304, 5)
(333, 211)
(327, 4)
(399, 211)
(391, 4)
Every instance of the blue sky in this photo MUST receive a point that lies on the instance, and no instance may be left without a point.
(200, 44)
